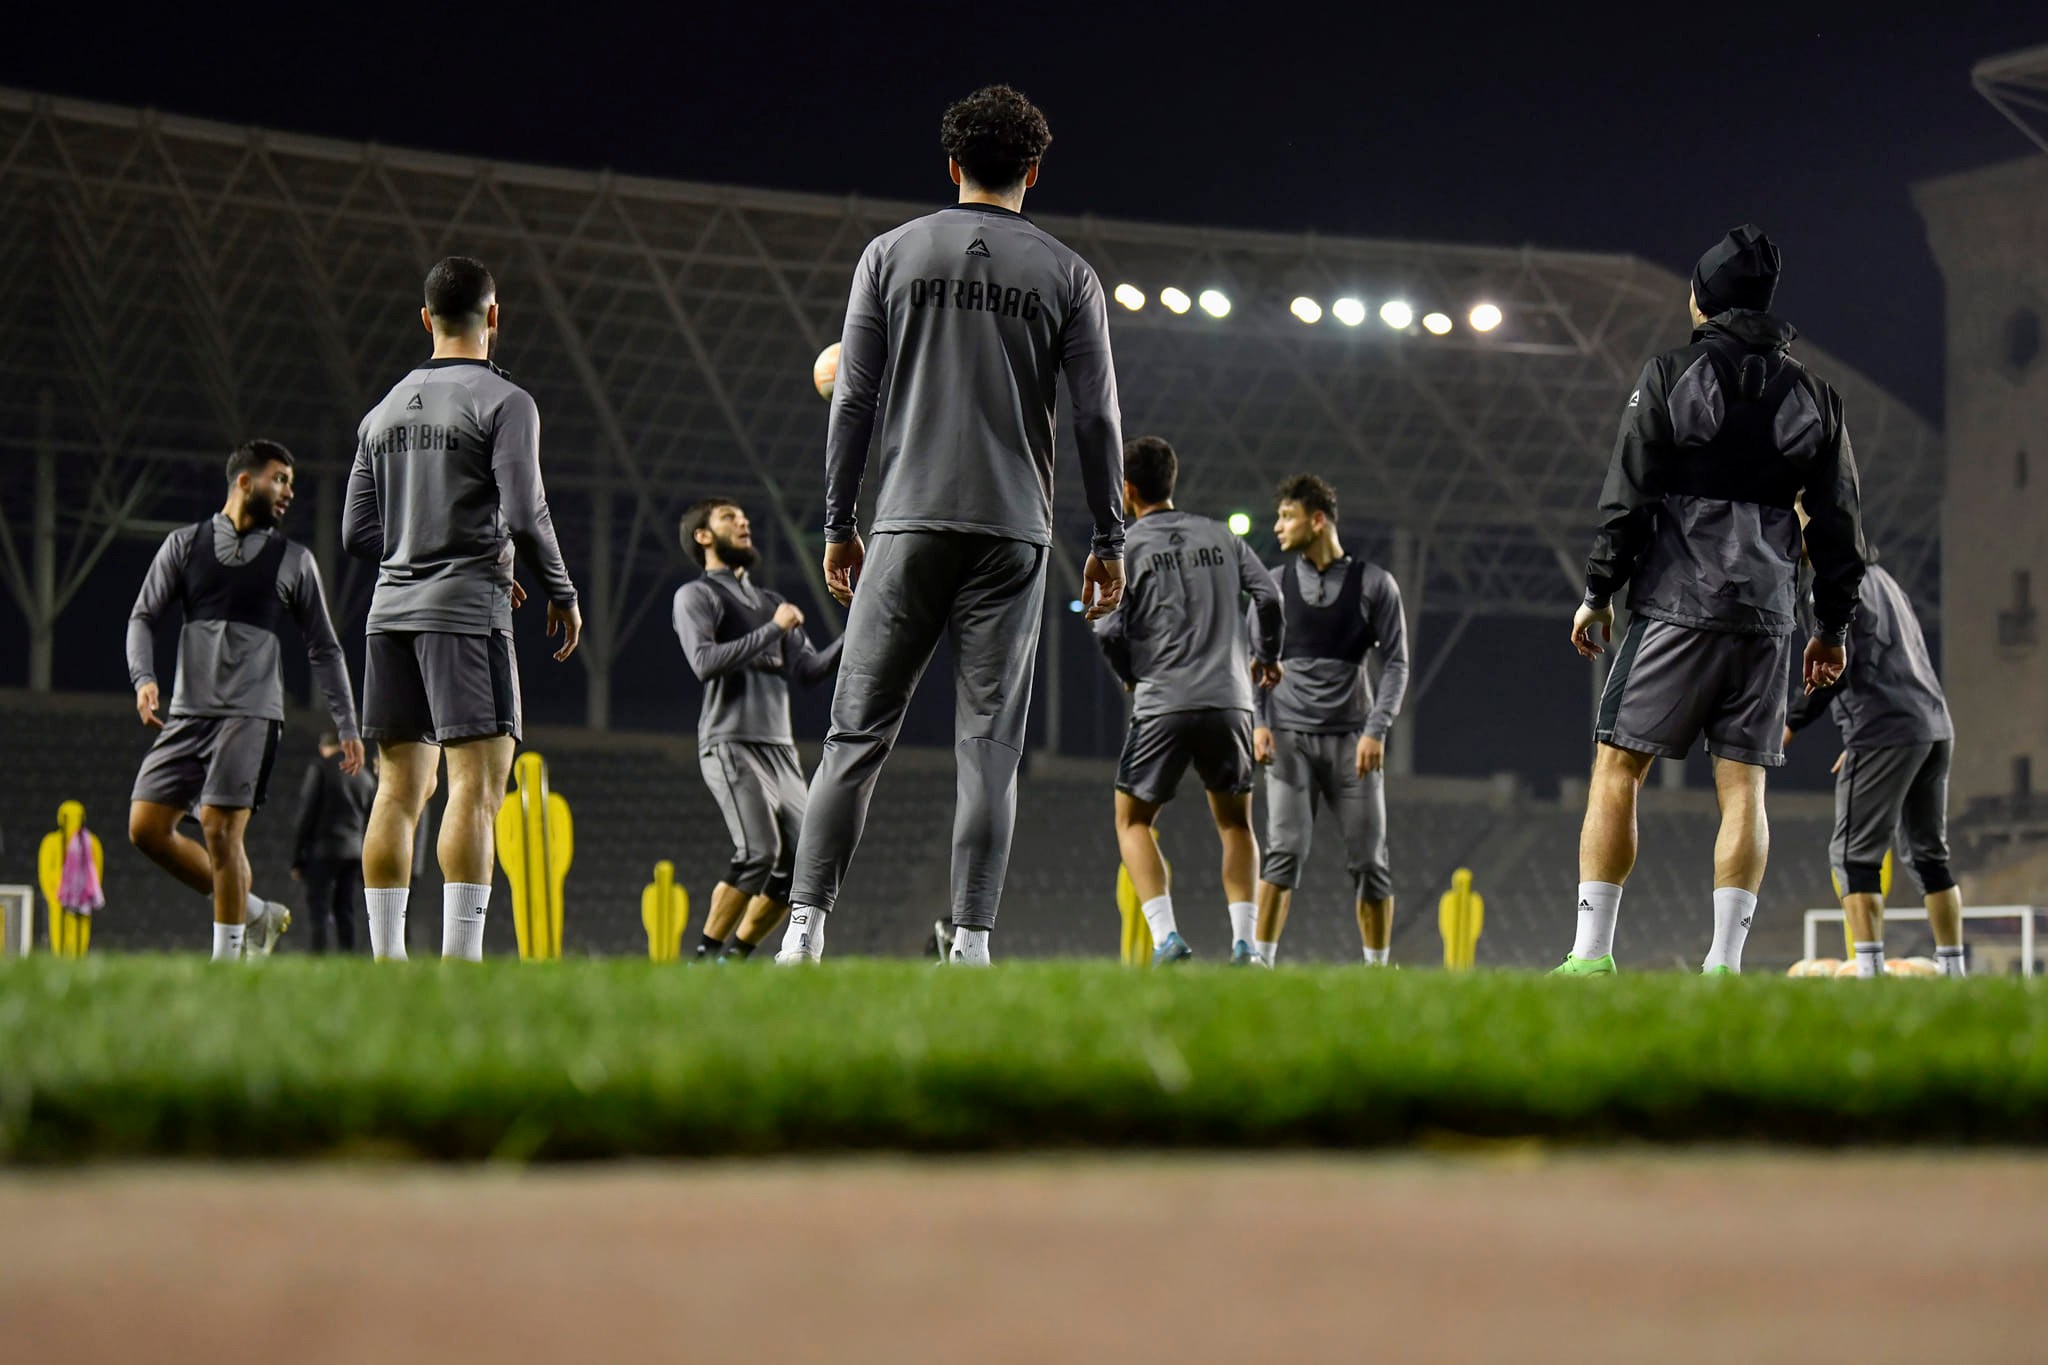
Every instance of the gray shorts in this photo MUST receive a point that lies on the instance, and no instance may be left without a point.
(1307, 771)
(1672, 684)
(1902, 790)
(760, 791)
(222, 761)
(439, 688)
(1159, 749)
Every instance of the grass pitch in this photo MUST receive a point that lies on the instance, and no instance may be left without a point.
(146, 1057)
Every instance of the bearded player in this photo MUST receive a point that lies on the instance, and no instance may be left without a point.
(746, 645)
(235, 578)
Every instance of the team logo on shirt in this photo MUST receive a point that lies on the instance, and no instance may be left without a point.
(414, 404)
(977, 247)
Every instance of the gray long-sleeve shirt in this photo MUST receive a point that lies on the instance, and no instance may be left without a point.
(745, 661)
(446, 485)
(1327, 696)
(1178, 639)
(958, 329)
(1889, 693)
(230, 668)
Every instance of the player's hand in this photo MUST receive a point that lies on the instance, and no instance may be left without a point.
(1372, 754)
(518, 595)
(1825, 660)
(1840, 759)
(351, 757)
(145, 706)
(788, 617)
(1266, 677)
(569, 622)
(1788, 737)
(1262, 745)
(843, 560)
(1102, 587)
(1582, 629)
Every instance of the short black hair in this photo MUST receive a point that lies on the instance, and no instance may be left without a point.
(1313, 493)
(250, 457)
(459, 289)
(996, 135)
(1150, 468)
(696, 519)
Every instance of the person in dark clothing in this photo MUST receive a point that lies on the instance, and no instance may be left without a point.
(1721, 438)
(327, 850)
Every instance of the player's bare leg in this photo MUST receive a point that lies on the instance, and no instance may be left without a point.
(1865, 913)
(224, 829)
(763, 914)
(1273, 904)
(1741, 850)
(153, 828)
(1142, 859)
(1945, 918)
(1232, 812)
(1376, 925)
(477, 773)
(405, 780)
(1607, 854)
(728, 905)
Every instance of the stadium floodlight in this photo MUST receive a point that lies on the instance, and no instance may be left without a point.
(1307, 309)
(1174, 299)
(1396, 314)
(1485, 318)
(1350, 312)
(1240, 523)
(1130, 296)
(1436, 324)
(1214, 303)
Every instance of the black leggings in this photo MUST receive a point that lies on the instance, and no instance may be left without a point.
(334, 887)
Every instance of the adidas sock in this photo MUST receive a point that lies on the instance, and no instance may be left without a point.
(462, 920)
(387, 921)
(1268, 950)
(1870, 959)
(227, 942)
(708, 946)
(1377, 957)
(1950, 960)
(1599, 904)
(1734, 908)
(1159, 915)
(1244, 922)
(804, 939)
(970, 945)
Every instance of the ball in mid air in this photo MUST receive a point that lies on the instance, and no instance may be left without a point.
(825, 371)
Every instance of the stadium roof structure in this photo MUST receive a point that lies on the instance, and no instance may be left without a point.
(2017, 86)
(174, 285)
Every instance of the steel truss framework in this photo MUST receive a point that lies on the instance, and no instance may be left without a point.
(172, 285)
(2017, 86)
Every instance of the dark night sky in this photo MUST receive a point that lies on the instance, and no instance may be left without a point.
(1646, 129)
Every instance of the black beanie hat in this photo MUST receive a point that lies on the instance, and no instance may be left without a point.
(1741, 271)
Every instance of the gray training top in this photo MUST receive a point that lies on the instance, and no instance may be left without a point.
(230, 668)
(957, 330)
(1889, 694)
(1329, 696)
(1178, 639)
(745, 661)
(446, 483)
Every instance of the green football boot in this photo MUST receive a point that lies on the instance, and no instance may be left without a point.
(1586, 966)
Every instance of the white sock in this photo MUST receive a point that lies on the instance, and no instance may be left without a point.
(1599, 903)
(1734, 908)
(462, 920)
(1244, 922)
(1377, 957)
(804, 938)
(1159, 914)
(387, 921)
(970, 946)
(227, 942)
(1268, 949)
(1950, 960)
(1870, 959)
(256, 909)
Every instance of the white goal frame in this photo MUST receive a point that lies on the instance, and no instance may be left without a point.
(17, 920)
(2025, 914)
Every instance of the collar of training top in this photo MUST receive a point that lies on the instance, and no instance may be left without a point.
(443, 362)
(1749, 327)
(997, 209)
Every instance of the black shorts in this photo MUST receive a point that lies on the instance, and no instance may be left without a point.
(1672, 684)
(439, 688)
(1159, 749)
(222, 761)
